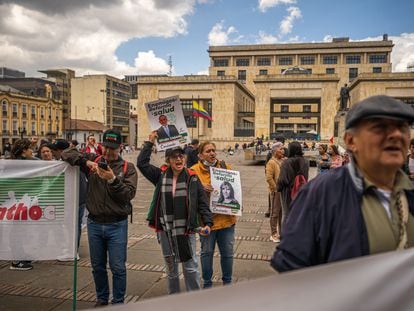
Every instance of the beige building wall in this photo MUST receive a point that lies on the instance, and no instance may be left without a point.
(223, 93)
(321, 87)
(87, 99)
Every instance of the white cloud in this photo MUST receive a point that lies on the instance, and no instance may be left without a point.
(220, 36)
(203, 72)
(403, 52)
(148, 63)
(287, 23)
(327, 38)
(267, 4)
(265, 38)
(84, 35)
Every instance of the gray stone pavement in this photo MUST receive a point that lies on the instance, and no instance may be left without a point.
(49, 285)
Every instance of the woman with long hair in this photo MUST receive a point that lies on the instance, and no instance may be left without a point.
(227, 194)
(222, 232)
(336, 159)
(295, 165)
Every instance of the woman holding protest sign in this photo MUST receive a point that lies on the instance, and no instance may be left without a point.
(178, 203)
(222, 232)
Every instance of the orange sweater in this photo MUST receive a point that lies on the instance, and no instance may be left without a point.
(220, 221)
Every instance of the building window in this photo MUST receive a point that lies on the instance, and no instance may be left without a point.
(284, 108)
(33, 128)
(377, 58)
(221, 62)
(285, 61)
(242, 75)
(42, 112)
(330, 59)
(242, 62)
(24, 111)
(330, 71)
(353, 73)
(307, 108)
(263, 61)
(4, 108)
(14, 107)
(376, 70)
(5, 128)
(353, 59)
(33, 111)
(209, 108)
(190, 120)
(307, 60)
(263, 72)
(221, 73)
(14, 127)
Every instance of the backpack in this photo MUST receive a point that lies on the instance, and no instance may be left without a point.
(298, 182)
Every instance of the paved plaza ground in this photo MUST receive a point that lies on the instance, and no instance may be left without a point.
(49, 285)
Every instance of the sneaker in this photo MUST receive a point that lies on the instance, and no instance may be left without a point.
(21, 266)
(274, 238)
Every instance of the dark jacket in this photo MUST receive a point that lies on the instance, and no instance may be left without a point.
(192, 156)
(163, 135)
(326, 222)
(106, 203)
(197, 202)
(288, 171)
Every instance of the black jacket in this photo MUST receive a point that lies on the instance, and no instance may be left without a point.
(106, 203)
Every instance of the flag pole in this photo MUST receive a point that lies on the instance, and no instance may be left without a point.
(192, 116)
(198, 121)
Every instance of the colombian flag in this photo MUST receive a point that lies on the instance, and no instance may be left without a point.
(200, 112)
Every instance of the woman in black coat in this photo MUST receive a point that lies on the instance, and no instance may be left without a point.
(295, 165)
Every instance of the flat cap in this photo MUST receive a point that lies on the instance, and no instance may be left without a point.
(380, 106)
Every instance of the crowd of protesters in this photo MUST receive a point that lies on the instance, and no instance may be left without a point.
(361, 201)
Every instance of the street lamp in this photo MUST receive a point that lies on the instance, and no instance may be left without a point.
(103, 91)
(22, 131)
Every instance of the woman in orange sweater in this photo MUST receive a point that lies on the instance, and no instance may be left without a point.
(222, 231)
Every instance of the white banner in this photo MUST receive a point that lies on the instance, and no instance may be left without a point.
(38, 209)
(226, 197)
(167, 118)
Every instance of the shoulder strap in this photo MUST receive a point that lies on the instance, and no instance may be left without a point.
(223, 164)
(97, 159)
(125, 166)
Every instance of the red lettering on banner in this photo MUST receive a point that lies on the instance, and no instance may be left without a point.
(10, 212)
(3, 211)
(21, 212)
(35, 212)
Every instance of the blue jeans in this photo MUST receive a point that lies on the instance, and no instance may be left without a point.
(108, 240)
(225, 241)
(190, 267)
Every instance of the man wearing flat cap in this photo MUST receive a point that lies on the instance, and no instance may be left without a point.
(363, 208)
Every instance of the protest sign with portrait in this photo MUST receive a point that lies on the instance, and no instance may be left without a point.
(167, 118)
(226, 197)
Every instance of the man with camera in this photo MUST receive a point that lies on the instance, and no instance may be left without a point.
(112, 185)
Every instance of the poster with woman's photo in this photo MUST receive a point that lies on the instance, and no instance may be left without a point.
(226, 197)
(166, 117)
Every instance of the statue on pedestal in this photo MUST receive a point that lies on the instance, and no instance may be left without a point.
(344, 98)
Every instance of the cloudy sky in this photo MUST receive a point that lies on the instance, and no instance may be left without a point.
(121, 37)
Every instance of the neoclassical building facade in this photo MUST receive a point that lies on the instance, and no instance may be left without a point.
(264, 90)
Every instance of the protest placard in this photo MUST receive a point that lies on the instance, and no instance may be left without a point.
(167, 118)
(38, 210)
(226, 197)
